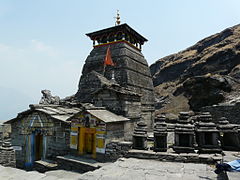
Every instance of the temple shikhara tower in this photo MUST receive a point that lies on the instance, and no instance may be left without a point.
(116, 74)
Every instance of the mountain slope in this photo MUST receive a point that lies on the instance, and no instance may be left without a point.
(218, 54)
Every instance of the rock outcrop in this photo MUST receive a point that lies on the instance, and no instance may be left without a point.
(204, 90)
(47, 98)
(217, 54)
(206, 73)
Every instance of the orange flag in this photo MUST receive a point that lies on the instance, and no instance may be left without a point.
(108, 58)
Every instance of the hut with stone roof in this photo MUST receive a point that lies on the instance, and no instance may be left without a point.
(93, 129)
(41, 132)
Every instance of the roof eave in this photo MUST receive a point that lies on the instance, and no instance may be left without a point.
(95, 33)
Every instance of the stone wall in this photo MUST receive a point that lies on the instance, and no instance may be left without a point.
(115, 131)
(18, 140)
(59, 143)
(120, 102)
(7, 155)
(5, 130)
(116, 149)
(230, 111)
(7, 158)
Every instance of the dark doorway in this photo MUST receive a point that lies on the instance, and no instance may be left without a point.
(230, 140)
(208, 138)
(184, 140)
(139, 143)
(160, 142)
(38, 146)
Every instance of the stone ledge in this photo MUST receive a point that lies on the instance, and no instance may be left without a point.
(76, 165)
(175, 157)
(44, 166)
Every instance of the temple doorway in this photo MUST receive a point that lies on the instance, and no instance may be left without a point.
(87, 142)
(38, 146)
(184, 140)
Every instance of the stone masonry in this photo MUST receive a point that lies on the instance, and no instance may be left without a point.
(131, 71)
(7, 155)
(230, 111)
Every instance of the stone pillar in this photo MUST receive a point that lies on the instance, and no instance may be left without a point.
(7, 155)
(160, 134)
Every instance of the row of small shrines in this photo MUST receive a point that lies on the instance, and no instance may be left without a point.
(191, 134)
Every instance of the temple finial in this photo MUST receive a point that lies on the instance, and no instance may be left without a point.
(117, 19)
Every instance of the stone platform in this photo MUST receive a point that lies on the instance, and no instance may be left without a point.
(175, 157)
(44, 166)
(127, 169)
(77, 164)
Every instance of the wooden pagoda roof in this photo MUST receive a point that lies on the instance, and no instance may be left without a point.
(123, 27)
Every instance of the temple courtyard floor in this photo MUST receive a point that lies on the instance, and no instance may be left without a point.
(126, 169)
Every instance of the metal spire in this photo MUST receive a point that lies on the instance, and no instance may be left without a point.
(117, 19)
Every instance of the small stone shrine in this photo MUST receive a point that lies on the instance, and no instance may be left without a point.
(184, 134)
(7, 155)
(41, 132)
(93, 128)
(228, 135)
(160, 134)
(140, 136)
(207, 134)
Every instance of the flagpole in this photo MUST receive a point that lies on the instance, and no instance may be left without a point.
(104, 66)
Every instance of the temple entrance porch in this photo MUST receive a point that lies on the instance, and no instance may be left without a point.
(87, 141)
(36, 148)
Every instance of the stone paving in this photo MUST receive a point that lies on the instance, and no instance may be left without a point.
(125, 169)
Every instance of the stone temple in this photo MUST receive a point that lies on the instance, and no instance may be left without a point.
(124, 88)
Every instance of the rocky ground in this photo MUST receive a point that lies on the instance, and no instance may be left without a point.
(125, 169)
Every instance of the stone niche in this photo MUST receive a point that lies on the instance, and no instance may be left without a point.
(207, 134)
(184, 134)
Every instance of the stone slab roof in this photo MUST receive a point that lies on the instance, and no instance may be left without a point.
(58, 112)
(64, 113)
(107, 116)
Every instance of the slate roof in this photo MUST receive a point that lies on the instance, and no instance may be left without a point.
(58, 112)
(106, 115)
(64, 113)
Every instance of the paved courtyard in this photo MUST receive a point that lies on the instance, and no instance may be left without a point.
(125, 169)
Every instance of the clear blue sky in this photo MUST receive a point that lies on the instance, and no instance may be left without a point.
(43, 43)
